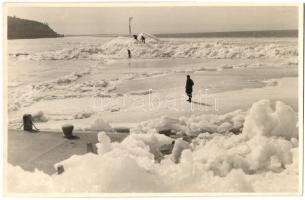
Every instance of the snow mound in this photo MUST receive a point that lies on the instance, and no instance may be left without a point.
(143, 92)
(39, 117)
(271, 82)
(99, 125)
(264, 120)
(82, 115)
(227, 66)
(179, 147)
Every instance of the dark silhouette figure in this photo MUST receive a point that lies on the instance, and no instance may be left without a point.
(135, 37)
(143, 39)
(189, 87)
(129, 53)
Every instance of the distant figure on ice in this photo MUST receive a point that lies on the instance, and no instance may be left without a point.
(142, 39)
(135, 37)
(189, 87)
(129, 53)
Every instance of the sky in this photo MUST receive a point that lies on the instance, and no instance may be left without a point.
(114, 20)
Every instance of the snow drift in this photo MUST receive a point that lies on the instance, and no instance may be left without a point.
(69, 86)
(260, 155)
(117, 48)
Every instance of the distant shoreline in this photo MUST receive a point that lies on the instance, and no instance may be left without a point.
(232, 34)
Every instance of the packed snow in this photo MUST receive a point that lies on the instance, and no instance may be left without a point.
(260, 157)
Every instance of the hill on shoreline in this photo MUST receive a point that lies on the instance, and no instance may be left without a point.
(28, 29)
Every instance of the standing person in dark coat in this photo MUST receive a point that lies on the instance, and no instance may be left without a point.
(189, 87)
(143, 39)
(129, 53)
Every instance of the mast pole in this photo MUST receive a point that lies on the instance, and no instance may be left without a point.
(130, 18)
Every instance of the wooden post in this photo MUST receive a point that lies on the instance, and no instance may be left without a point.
(27, 122)
(60, 169)
(130, 18)
(68, 131)
(90, 147)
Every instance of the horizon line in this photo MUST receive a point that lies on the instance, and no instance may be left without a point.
(185, 33)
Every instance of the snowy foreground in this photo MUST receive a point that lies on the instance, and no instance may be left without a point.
(260, 156)
(239, 135)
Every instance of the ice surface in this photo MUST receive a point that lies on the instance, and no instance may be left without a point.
(81, 84)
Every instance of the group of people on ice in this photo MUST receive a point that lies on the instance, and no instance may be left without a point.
(140, 37)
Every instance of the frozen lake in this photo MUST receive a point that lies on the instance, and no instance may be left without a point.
(245, 93)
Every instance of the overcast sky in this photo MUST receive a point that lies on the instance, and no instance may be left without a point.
(95, 20)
